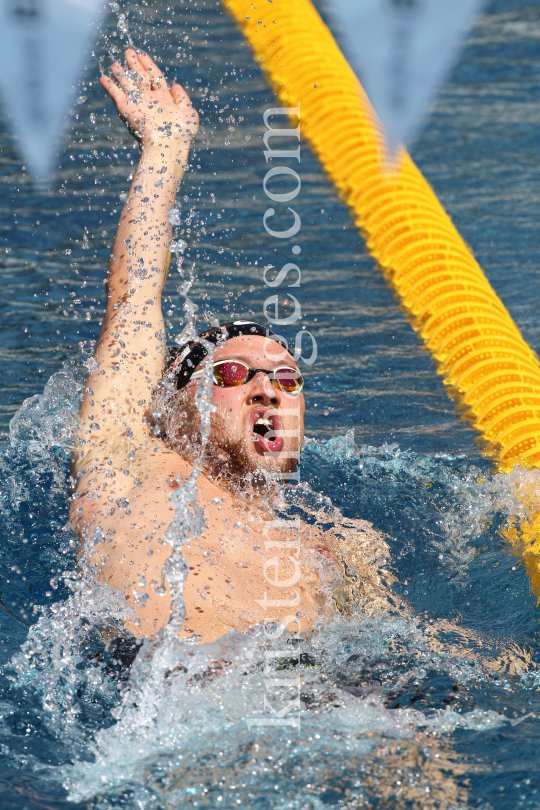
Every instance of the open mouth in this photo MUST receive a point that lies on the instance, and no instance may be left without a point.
(266, 425)
(263, 427)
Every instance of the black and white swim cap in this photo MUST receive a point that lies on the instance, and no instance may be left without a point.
(182, 361)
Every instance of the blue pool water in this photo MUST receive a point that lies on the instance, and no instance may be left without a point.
(434, 704)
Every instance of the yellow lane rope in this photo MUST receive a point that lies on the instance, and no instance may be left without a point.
(486, 365)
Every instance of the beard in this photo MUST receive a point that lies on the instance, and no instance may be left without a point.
(232, 457)
(227, 459)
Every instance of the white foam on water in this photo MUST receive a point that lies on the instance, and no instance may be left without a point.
(202, 708)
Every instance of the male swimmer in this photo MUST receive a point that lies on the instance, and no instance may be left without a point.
(140, 428)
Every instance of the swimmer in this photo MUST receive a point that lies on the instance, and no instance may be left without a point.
(140, 429)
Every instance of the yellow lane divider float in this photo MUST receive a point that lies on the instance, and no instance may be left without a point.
(488, 368)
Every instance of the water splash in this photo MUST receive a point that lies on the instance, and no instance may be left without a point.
(465, 500)
(174, 731)
(202, 751)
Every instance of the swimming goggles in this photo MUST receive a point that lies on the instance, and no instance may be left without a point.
(232, 373)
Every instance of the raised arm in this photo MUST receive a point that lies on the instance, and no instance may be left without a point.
(131, 346)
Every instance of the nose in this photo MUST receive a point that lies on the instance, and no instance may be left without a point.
(262, 392)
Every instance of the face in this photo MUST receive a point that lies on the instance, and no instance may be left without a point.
(256, 427)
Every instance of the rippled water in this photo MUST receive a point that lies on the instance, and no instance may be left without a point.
(434, 704)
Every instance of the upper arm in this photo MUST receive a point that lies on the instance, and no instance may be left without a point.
(129, 355)
(127, 365)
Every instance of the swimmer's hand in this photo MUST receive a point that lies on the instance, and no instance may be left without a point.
(154, 114)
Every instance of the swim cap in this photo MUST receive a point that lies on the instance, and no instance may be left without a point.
(182, 361)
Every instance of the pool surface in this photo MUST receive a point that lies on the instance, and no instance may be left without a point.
(433, 704)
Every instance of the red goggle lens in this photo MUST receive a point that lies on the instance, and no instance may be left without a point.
(288, 380)
(230, 373)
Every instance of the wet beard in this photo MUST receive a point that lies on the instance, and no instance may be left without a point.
(231, 463)
(225, 461)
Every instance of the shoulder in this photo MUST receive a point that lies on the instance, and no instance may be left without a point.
(364, 538)
(354, 538)
(360, 554)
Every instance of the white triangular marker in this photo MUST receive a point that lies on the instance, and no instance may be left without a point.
(43, 46)
(401, 51)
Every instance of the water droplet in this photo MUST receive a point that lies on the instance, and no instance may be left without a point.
(177, 247)
(174, 216)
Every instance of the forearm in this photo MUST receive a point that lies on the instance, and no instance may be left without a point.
(138, 263)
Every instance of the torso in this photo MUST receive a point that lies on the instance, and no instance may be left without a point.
(227, 582)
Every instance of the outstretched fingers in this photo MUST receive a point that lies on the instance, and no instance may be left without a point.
(120, 75)
(117, 95)
(132, 60)
(145, 102)
(158, 79)
(142, 78)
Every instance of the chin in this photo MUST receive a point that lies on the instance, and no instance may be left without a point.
(279, 465)
(240, 463)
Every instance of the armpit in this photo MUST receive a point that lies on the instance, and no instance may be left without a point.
(113, 452)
